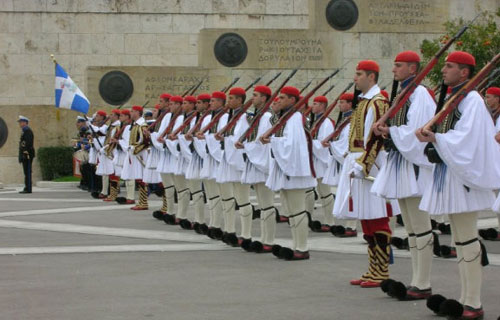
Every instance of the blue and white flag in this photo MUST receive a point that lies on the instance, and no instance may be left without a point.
(68, 95)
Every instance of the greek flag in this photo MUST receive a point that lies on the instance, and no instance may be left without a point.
(68, 95)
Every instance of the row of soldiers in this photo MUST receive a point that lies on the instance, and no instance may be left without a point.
(208, 149)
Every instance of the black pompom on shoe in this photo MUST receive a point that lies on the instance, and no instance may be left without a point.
(434, 301)
(384, 285)
(158, 215)
(286, 253)
(246, 244)
(451, 308)
(276, 251)
(397, 290)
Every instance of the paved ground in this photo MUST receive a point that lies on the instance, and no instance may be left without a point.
(66, 256)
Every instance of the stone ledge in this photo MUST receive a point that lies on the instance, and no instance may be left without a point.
(57, 185)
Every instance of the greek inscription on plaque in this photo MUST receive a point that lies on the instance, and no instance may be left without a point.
(399, 13)
(156, 85)
(272, 50)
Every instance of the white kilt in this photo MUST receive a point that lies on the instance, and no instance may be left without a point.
(226, 172)
(209, 170)
(332, 173)
(194, 167)
(105, 165)
(448, 195)
(252, 175)
(133, 169)
(397, 178)
(366, 205)
(150, 175)
(496, 205)
(165, 162)
(278, 180)
(118, 160)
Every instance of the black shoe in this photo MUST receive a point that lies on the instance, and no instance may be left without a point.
(24, 191)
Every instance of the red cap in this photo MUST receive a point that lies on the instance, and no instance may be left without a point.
(348, 96)
(204, 96)
(190, 99)
(263, 90)
(116, 111)
(165, 96)
(125, 111)
(237, 91)
(137, 108)
(321, 99)
(368, 65)
(292, 91)
(176, 99)
(384, 93)
(494, 91)
(407, 56)
(219, 95)
(157, 107)
(432, 93)
(102, 113)
(461, 57)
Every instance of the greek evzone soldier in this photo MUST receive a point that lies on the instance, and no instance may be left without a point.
(492, 99)
(97, 123)
(184, 158)
(364, 159)
(150, 176)
(133, 167)
(105, 167)
(211, 159)
(229, 171)
(338, 148)
(321, 159)
(195, 152)
(407, 172)
(171, 160)
(283, 216)
(162, 122)
(120, 155)
(256, 172)
(290, 171)
(465, 174)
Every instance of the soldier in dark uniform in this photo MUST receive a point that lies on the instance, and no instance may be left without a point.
(26, 152)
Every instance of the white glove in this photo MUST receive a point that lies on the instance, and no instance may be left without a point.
(357, 171)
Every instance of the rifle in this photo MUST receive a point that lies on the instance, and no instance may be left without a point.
(309, 109)
(455, 100)
(282, 121)
(328, 110)
(261, 112)
(226, 89)
(207, 112)
(189, 91)
(488, 81)
(216, 118)
(405, 94)
(243, 110)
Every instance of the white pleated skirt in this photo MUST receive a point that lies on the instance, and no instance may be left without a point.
(278, 180)
(447, 194)
(194, 167)
(252, 175)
